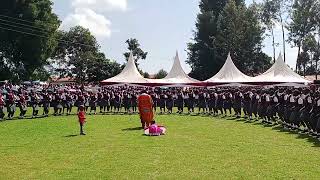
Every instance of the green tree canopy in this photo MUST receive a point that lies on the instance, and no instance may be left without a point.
(161, 74)
(79, 56)
(303, 22)
(135, 47)
(27, 36)
(222, 27)
(307, 56)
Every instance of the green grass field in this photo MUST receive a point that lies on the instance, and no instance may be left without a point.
(195, 147)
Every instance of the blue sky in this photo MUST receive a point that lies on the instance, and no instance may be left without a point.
(161, 26)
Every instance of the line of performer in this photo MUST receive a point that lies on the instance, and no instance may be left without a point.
(294, 108)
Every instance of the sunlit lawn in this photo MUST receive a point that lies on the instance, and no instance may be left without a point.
(195, 147)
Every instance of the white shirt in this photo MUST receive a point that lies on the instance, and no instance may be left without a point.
(300, 101)
(196, 96)
(292, 100)
(267, 98)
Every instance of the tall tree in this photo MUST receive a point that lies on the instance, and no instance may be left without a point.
(302, 23)
(224, 26)
(135, 47)
(275, 12)
(78, 56)
(102, 68)
(27, 36)
(202, 50)
(72, 55)
(283, 13)
(317, 53)
(269, 18)
(309, 47)
(240, 32)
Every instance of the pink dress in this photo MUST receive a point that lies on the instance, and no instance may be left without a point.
(155, 130)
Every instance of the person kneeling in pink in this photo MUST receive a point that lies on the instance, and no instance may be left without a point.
(155, 130)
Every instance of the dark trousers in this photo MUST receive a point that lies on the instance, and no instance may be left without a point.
(134, 108)
(237, 108)
(1, 113)
(191, 105)
(57, 110)
(35, 110)
(81, 128)
(180, 106)
(46, 107)
(23, 111)
(155, 105)
(11, 110)
(246, 108)
(318, 126)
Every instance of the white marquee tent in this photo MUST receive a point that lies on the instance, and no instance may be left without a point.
(129, 75)
(176, 76)
(229, 73)
(280, 73)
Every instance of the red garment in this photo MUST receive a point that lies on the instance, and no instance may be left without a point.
(11, 98)
(1, 101)
(145, 108)
(22, 100)
(82, 117)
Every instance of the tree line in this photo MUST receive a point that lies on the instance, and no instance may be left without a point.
(224, 26)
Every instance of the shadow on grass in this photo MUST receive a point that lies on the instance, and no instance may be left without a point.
(183, 114)
(232, 118)
(25, 118)
(72, 135)
(133, 129)
(310, 139)
(299, 135)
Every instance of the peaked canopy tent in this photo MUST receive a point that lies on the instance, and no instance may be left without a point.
(129, 75)
(176, 77)
(229, 73)
(279, 73)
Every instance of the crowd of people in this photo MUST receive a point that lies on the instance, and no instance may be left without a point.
(294, 108)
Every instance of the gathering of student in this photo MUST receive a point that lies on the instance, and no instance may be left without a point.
(294, 108)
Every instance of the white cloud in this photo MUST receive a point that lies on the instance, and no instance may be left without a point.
(98, 24)
(88, 13)
(101, 5)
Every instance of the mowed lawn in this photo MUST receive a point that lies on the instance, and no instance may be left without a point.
(195, 147)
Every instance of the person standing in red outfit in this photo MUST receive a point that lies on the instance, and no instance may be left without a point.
(145, 105)
(82, 119)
